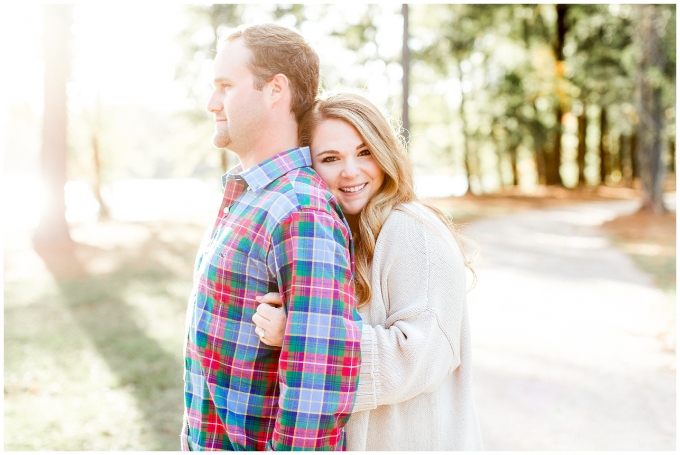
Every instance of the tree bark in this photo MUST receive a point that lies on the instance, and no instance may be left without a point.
(469, 166)
(513, 162)
(671, 151)
(581, 155)
(615, 156)
(650, 60)
(95, 122)
(103, 208)
(53, 229)
(603, 149)
(541, 164)
(635, 171)
(405, 66)
(625, 151)
(555, 159)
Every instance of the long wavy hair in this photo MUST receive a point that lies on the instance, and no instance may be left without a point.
(389, 150)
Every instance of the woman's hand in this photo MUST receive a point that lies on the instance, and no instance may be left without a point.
(270, 319)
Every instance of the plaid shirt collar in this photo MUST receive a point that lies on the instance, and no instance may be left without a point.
(258, 177)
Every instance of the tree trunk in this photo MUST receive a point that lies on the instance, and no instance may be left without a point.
(561, 30)
(635, 171)
(95, 122)
(473, 165)
(541, 164)
(581, 156)
(555, 160)
(671, 151)
(499, 161)
(53, 229)
(470, 167)
(626, 159)
(224, 160)
(103, 208)
(515, 171)
(615, 156)
(603, 149)
(405, 65)
(649, 111)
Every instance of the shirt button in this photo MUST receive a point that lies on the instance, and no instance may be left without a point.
(225, 210)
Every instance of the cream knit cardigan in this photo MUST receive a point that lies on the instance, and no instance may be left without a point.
(415, 387)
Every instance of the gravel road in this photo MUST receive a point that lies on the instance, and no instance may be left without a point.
(573, 345)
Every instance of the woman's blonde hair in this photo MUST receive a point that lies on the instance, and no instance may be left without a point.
(389, 150)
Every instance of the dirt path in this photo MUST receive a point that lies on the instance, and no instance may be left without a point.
(573, 346)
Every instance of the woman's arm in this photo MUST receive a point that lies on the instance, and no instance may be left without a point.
(423, 287)
(419, 275)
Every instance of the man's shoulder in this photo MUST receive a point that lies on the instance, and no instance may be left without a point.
(306, 188)
(299, 189)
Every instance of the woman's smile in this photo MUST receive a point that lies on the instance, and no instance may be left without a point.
(342, 159)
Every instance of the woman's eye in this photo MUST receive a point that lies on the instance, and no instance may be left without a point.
(329, 159)
(364, 152)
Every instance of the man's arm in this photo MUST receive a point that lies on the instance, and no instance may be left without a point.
(320, 356)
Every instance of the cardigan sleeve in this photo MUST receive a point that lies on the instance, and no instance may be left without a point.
(422, 285)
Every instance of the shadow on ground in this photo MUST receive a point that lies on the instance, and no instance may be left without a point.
(95, 283)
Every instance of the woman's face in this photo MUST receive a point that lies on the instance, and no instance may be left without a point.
(343, 161)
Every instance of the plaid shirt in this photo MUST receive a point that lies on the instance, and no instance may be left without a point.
(279, 229)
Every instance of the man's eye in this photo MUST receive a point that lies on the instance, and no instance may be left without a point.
(364, 152)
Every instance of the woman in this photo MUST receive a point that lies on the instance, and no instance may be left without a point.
(415, 387)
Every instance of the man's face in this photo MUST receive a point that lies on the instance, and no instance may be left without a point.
(239, 108)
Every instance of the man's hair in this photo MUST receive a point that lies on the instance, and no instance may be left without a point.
(276, 49)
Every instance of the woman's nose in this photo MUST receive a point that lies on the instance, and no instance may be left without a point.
(350, 169)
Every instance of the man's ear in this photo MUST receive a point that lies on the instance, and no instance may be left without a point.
(279, 87)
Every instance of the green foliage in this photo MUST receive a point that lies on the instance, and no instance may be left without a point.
(486, 84)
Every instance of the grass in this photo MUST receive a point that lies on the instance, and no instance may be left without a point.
(651, 241)
(94, 333)
(93, 338)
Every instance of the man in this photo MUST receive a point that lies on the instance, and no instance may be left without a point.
(278, 229)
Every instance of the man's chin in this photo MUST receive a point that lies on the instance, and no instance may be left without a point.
(221, 142)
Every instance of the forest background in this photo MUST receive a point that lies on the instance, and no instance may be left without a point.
(106, 146)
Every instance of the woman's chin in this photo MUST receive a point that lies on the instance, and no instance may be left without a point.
(351, 209)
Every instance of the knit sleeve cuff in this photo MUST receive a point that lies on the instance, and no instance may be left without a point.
(367, 393)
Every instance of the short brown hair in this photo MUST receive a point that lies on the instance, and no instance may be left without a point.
(280, 50)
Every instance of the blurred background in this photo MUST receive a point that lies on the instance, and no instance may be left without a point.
(110, 178)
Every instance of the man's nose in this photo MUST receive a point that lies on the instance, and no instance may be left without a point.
(214, 103)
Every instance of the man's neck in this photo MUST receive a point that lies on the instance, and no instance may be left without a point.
(276, 138)
(259, 154)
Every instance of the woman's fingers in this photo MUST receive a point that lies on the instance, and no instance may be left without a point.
(272, 321)
(260, 321)
(266, 341)
(261, 325)
(272, 298)
(271, 313)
